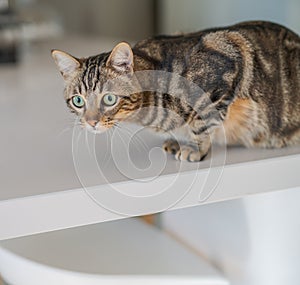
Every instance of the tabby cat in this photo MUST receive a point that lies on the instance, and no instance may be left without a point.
(250, 72)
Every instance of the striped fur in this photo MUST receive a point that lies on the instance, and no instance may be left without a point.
(249, 74)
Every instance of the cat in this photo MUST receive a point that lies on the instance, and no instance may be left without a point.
(250, 72)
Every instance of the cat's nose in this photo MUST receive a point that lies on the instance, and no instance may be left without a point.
(92, 123)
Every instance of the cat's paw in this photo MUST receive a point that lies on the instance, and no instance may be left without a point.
(190, 153)
(171, 146)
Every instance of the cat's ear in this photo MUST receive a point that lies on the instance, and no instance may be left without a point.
(121, 58)
(66, 63)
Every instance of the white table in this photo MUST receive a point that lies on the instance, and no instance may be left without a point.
(41, 188)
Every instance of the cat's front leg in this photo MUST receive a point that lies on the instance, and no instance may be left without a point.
(194, 151)
(188, 151)
(171, 146)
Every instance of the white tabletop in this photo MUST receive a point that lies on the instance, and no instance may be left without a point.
(53, 177)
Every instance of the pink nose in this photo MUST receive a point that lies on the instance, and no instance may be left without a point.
(93, 123)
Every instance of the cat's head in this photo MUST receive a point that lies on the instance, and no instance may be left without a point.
(86, 89)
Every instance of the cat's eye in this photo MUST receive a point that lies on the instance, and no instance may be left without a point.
(109, 99)
(78, 101)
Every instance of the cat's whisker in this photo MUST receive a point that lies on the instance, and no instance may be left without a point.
(106, 158)
(137, 141)
(78, 137)
(87, 141)
(135, 138)
(63, 131)
(121, 138)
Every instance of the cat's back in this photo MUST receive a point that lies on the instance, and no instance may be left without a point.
(256, 33)
(270, 36)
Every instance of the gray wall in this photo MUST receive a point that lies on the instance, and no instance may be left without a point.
(130, 19)
(135, 19)
(191, 15)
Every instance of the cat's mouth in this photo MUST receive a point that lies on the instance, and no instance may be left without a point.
(96, 129)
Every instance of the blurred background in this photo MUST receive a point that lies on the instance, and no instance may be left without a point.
(38, 20)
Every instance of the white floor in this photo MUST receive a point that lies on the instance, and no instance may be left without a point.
(254, 240)
(118, 253)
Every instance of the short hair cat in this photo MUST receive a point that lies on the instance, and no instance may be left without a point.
(249, 71)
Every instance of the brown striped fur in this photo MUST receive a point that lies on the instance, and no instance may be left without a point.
(249, 74)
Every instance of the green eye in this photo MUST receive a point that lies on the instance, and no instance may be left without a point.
(109, 99)
(78, 101)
